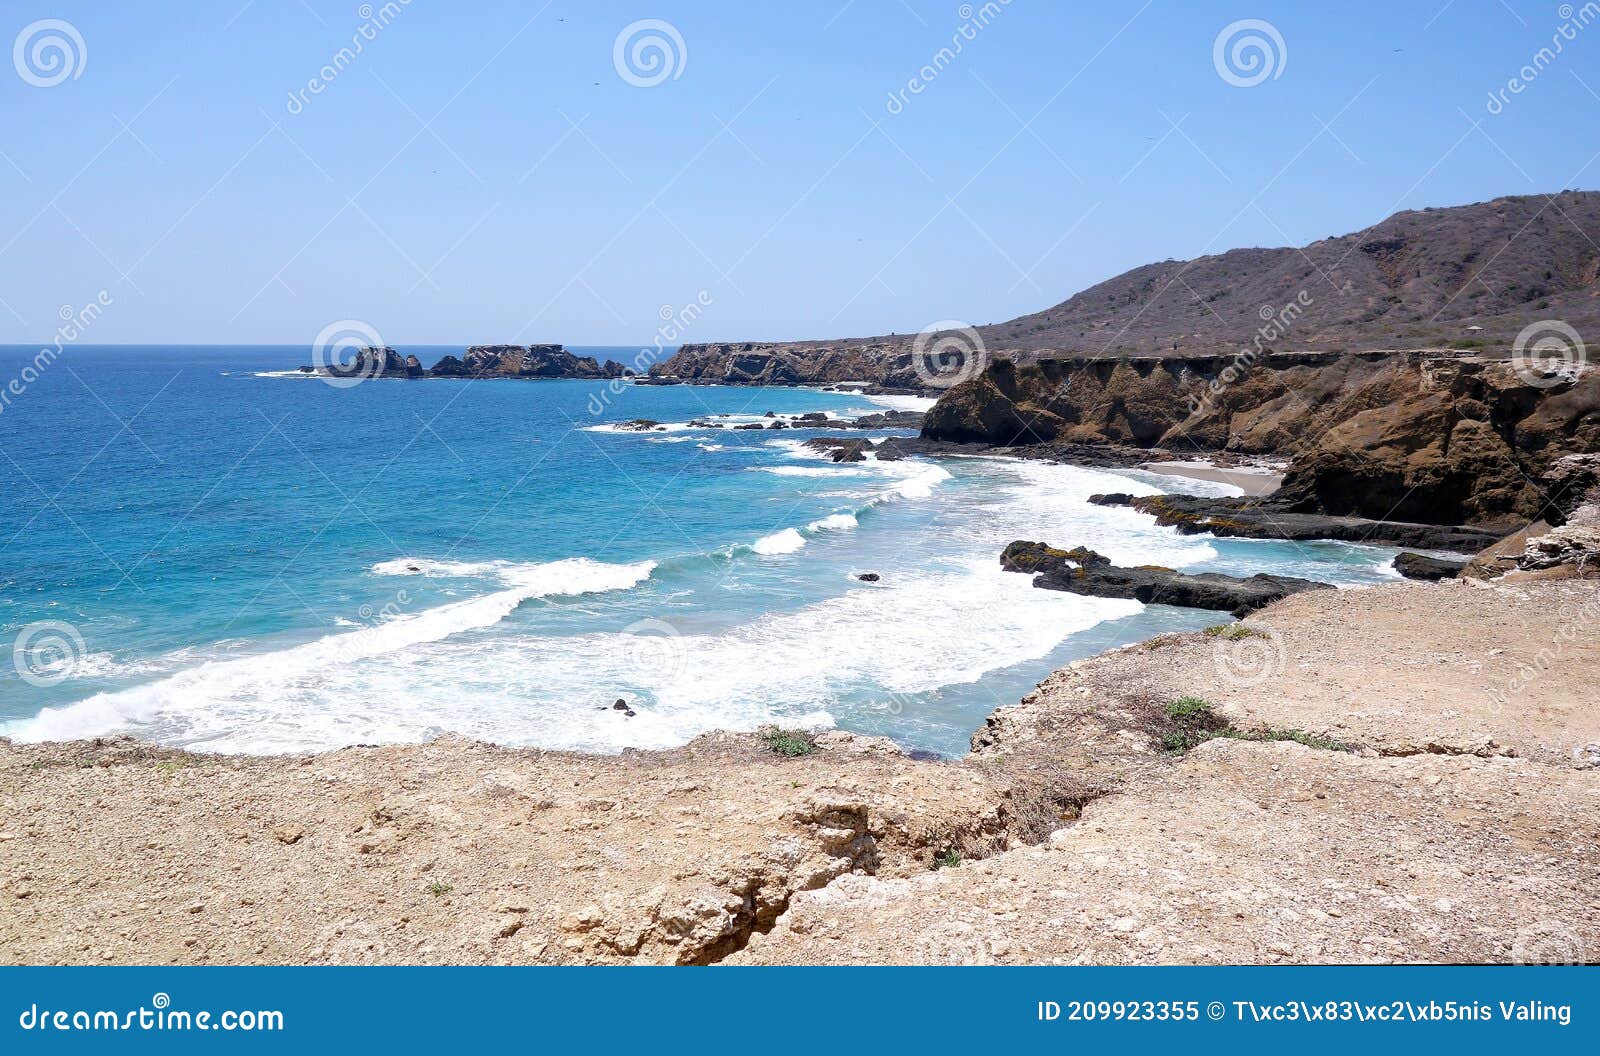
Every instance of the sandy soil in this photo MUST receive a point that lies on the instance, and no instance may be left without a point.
(1443, 808)
(1250, 480)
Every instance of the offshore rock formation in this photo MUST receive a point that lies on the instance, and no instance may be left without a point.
(1082, 571)
(482, 361)
(1437, 439)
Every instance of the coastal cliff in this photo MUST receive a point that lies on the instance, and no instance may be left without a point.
(1438, 439)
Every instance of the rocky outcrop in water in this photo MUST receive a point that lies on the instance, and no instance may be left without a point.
(481, 361)
(534, 361)
(1082, 571)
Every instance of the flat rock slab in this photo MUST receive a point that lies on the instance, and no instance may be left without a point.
(1252, 853)
(451, 852)
(1082, 571)
(1262, 519)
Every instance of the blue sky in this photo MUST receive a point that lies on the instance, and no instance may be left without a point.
(475, 176)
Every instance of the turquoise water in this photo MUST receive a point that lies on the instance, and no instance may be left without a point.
(203, 551)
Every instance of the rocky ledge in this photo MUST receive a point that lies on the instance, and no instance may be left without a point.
(1082, 571)
(1270, 519)
(480, 362)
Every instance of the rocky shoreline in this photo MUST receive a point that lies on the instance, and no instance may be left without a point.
(1350, 776)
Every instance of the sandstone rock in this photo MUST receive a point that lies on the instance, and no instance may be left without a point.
(1429, 438)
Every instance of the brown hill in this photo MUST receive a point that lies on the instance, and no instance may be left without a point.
(1465, 277)
(1418, 279)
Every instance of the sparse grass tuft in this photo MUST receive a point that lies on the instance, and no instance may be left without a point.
(1271, 733)
(1187, 709)
(1232, 632)
(788, 743)
(947, 859)
(439, 890)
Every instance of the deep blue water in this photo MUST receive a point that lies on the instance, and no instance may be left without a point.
(196, 549)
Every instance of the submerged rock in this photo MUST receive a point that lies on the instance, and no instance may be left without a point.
(1082, 571)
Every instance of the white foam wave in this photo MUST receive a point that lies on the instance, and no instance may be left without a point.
(806, 471)
(785, 542)
(903, 403)
(266, 676)
(834, 522)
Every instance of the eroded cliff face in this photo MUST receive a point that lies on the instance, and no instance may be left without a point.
(1406, 436)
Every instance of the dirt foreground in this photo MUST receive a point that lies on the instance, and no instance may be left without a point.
(1402, 773)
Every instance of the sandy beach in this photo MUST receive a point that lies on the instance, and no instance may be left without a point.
(1252, 481)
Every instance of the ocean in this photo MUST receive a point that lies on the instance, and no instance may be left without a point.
(202, 549)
